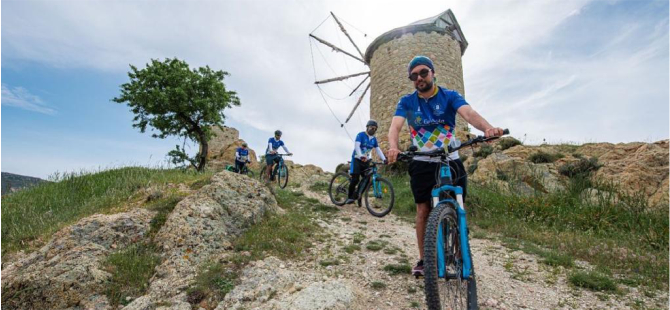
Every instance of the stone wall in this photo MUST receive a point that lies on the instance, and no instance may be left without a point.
(389, 76)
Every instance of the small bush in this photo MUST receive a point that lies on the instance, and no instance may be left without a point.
(582, 167)
(329, 262)
(378, 285)
(484, 151)
(544, 158)
(395, 269)
(376, 245)
(508, 142)
(473, 167)
(351, 248)
(213, 279)
(463, 158)
(593, 281)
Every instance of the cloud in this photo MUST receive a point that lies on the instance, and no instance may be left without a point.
(562, 70)
(21, 98)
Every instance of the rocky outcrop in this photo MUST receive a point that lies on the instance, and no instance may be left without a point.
(268, 284)
(637, 168)
(67, 272)
(306, 174)
(222, 146)
(201, 228)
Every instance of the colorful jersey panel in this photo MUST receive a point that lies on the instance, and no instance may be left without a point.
(275, 144)
(431, 121)
(367, 144)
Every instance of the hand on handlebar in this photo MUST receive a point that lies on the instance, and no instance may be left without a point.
(363, 158)
(392, 155)
(493, 132)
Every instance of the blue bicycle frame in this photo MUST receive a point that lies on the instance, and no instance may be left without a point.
(376, 186)
(445, 180)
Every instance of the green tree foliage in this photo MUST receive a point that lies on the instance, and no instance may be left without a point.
(176, 100)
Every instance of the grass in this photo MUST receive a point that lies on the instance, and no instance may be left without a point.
(404, 206)
(329, 262)
(350, 249)
(622, 235)
(358, 238)
(376, 245)
(543, 157)
(213, 280)
(285, 235)
(31, 216)
(319, 187)
(163, 206)
(593, 281)
(377, 285)
(131, 270)
(396, 269)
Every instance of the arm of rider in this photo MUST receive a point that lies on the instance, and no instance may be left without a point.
(381, 154)
(359, 152)
(271, 150)
(237, 155)
(471, 116)
(394, 132)
(286, 150)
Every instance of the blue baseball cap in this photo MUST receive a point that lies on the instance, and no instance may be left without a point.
(420, 60)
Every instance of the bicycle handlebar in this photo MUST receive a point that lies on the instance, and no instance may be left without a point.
(441, 152)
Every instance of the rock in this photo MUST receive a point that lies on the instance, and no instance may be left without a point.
(202, 227)
(221, 149)
(68, 270)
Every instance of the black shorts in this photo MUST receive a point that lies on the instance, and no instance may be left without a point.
(423, 178)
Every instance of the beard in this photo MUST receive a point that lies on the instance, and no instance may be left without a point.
(429, 86)
(372, 132)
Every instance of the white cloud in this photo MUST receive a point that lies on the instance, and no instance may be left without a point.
(21, 98)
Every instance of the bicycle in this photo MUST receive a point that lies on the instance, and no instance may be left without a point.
(377, 191)
(280, 172)
(449, 276)
(245, 170)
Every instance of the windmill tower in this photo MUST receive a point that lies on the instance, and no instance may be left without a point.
(438, 37)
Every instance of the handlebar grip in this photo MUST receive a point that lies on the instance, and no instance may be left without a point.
(505, 131)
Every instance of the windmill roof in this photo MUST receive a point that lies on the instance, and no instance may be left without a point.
(444, 22)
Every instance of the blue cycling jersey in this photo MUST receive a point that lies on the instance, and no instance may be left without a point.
(367, 144)
(275, 144)
(431, 121)
(242, 153)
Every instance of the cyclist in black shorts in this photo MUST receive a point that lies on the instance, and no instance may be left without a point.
(430, 113)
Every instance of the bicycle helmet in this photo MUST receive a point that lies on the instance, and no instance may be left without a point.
(244, 144)
(278, 133)
(371, 123)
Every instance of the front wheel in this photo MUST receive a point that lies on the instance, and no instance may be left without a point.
(282, 175)
(338, 189)
(443, 263)
(379, 197)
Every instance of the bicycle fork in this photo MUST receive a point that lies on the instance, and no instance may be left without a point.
(464, 242)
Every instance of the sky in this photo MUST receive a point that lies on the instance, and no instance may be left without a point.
(569, 71)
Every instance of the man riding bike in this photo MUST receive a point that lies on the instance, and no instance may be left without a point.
(241, 157)
(271, 156)
(430, 113)
(365, 142)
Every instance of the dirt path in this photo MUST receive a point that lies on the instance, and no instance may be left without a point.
(360, 246)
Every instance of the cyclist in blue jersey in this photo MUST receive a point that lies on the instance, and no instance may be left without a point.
(365, 142)
(241, 157)
(271, 156)
(430, 113)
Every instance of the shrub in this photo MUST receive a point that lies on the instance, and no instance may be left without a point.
(582, 167)
(544, 158)
(508, 142)
(484, 151)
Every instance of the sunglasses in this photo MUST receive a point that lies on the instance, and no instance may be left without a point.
(415, 76)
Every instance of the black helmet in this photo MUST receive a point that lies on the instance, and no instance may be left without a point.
(371, 123)
(277, 132)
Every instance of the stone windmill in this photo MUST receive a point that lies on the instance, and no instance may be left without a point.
(438, 37)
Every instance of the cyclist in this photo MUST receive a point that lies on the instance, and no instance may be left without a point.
(271, 156)
(365, 142)
(430, 113)
(241, 157)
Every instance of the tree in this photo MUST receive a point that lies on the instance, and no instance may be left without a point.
(178, 101)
